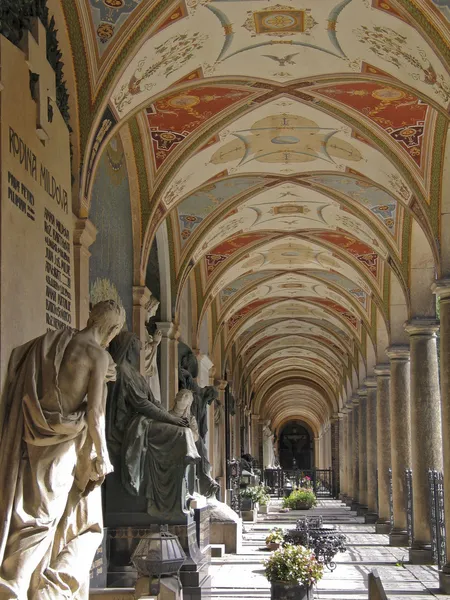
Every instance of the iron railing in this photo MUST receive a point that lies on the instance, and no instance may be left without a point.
(280, 481)
(234, 483)
(436, 486)
(409, 505)
(391, 499)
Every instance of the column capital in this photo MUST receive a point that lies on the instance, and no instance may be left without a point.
(383, 370)
(397, 352)
(424, 327)
(441, 288)
(255, 416)
(169, 329)
(141, 295)
(370, 382)
(355, 400)
(362, 392)
(84, 232)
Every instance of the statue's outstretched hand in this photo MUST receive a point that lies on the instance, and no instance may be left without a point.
(181, 421)
(101, 468)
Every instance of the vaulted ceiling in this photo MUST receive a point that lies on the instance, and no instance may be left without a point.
(294, 152)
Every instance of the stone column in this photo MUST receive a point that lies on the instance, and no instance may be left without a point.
(84, 234)
(371, 435)
(363, 501)
(400, 408)
(342, 481)
(383, 373)
(355, 452)
(350, 451)
(254, 442)
(169, 362)
(442, 290)
(426, 435)
(344, 456)
(317, 452)
(336, 453)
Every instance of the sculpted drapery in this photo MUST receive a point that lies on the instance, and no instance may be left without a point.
(153, 447)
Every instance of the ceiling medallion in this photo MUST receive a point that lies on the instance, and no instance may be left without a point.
(279, 21)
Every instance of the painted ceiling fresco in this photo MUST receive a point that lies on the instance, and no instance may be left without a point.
(290, 145)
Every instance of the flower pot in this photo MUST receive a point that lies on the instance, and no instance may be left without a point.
(273, 546)
(290, 591)
(263, 509)
(247, 504)
(302, 506)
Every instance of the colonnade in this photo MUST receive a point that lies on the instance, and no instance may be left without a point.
(395, 421)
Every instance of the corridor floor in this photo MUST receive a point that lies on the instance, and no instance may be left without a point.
(241, 576)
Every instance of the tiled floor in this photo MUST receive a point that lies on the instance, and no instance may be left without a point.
(241, 576)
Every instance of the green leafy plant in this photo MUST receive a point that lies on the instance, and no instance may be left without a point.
(275, 536)
(293, 564)
(256, 493)
(301, 499)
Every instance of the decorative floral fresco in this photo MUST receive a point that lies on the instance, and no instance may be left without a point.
(402, 115)
(383, 205)
(240, 283)
(223, 251)
(174, 118)
(198, 206)
(365, 254)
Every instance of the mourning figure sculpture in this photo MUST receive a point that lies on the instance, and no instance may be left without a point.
(203, 397)
(151, 348)
(152, 447)
(53, 459)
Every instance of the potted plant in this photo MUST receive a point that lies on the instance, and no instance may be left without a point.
(263, 499)
(301, 499)
(292, 572)
(275, 538)
(249, 497)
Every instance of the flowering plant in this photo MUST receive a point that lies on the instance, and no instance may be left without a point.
(256, 493)
(301, 499)
(275, 536)
(293, 564)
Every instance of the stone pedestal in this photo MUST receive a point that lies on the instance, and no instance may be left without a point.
(169, 362)
(371, 438)
(227, 533)
(426, 437)
(400, 440)
(383, 372)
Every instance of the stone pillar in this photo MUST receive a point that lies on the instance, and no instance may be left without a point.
(442, 290)
(426, 435)
(371, 438)
(363, 501)
(141, 296)
(84, 234)
(400, 408)
(350, 451)
(383, 373)
(355, 452)
(317, 452)
(343, 432)
(336, 453)
(254, 447)
(169, 362)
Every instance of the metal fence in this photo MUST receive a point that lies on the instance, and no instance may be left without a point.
(436, 485)
(409, 505)
(280, 481)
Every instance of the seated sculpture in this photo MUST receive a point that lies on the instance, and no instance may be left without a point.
(152, 447)
(51, 511)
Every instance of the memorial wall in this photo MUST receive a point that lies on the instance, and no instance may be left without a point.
(36, 258)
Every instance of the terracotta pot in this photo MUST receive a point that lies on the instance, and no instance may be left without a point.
(273, 546)
(290, 591)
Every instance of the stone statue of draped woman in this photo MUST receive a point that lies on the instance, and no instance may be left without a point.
(154, 447)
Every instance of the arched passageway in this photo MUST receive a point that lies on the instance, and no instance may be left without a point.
(296, 446)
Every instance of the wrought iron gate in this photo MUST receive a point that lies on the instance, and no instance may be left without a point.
(409, 505)
(436, 484)
(280, 481)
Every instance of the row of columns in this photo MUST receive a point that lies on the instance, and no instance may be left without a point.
(395, 421)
